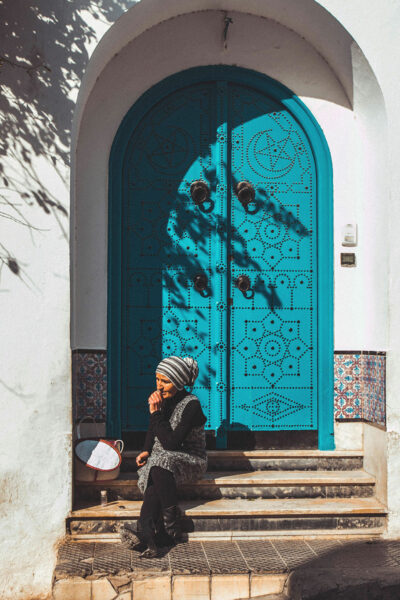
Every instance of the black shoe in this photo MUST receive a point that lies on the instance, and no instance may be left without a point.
(149, 553)
(163, 540)
(146, 533)
(172, 522)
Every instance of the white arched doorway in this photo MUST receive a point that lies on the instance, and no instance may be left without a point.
(306, 49)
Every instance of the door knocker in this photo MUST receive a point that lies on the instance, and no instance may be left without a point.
(244, 285)
(246, 195)
(201, 283)
(200, 193)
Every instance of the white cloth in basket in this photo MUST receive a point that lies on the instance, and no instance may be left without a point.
(98, 454)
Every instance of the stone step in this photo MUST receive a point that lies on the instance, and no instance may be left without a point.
(272, 460)
(255, 484)
(242, 514)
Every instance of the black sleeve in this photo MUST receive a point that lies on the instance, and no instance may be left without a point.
(149, 439)
(192, 416)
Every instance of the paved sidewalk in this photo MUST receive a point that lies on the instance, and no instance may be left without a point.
(318, 569)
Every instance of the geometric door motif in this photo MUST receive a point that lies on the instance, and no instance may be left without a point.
(273, 333)
(256, 347)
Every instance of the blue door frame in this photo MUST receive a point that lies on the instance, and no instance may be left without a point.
(324, 222)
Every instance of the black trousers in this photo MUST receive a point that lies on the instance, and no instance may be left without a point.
(160, 493)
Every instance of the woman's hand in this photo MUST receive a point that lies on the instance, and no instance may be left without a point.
(155, 402)
(141, 459)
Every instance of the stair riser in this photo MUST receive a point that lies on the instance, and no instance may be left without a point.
(326, 522)
(208, 492)
(272, 464)
(287, 491)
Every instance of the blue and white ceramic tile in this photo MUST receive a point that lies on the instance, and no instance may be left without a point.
(90, 384)
(374, 382)
(360, 387)
(348, 386)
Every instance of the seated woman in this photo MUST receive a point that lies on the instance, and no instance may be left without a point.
(174, 453)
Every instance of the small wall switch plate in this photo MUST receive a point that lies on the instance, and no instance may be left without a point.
(347, 259)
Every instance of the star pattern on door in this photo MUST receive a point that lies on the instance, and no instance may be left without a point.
(179, 337)
(273, 155)
(270, 241)
(169, 151)
(273, 347)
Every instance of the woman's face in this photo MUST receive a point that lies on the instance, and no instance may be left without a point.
(165, 386)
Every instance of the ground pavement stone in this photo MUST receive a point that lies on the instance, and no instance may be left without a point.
(313, 569)
(230, 587)
(103, 590)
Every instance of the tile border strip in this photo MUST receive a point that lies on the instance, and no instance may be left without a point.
(359, 385)
(89, 384)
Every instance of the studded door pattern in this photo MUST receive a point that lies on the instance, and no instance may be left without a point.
(255, 349)
(272, 326)
(167, 241)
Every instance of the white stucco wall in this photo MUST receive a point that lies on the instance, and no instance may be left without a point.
(375, 460)
(39, 77)
(35, 407)
(357, 146)
(311, 53)
(349, 435)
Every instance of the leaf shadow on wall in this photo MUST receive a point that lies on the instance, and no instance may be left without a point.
(43, 56)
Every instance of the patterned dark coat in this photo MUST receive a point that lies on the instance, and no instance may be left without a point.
(187, 464)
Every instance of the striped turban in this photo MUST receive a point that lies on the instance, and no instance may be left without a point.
(180, 371)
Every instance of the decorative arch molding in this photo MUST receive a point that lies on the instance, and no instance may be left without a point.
(308, 18)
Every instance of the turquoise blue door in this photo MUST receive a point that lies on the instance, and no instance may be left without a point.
(272, 325)
(168, 241)
(220, 258)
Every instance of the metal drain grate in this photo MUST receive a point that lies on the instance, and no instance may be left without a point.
(111, 558)
(74, 559)
(361, 555)
(225, 557)
(322, 547)
(261, 556)
(241, 556)
(295, 553)
(155, 565)
(322, 550)
(393, 550)
(189, 558)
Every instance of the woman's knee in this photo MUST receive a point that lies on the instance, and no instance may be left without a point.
(161, 476)
(156, 472)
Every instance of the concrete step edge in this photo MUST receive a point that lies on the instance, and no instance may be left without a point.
(306, 507)
(265, 478)
(307, 534)
(272, 453)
